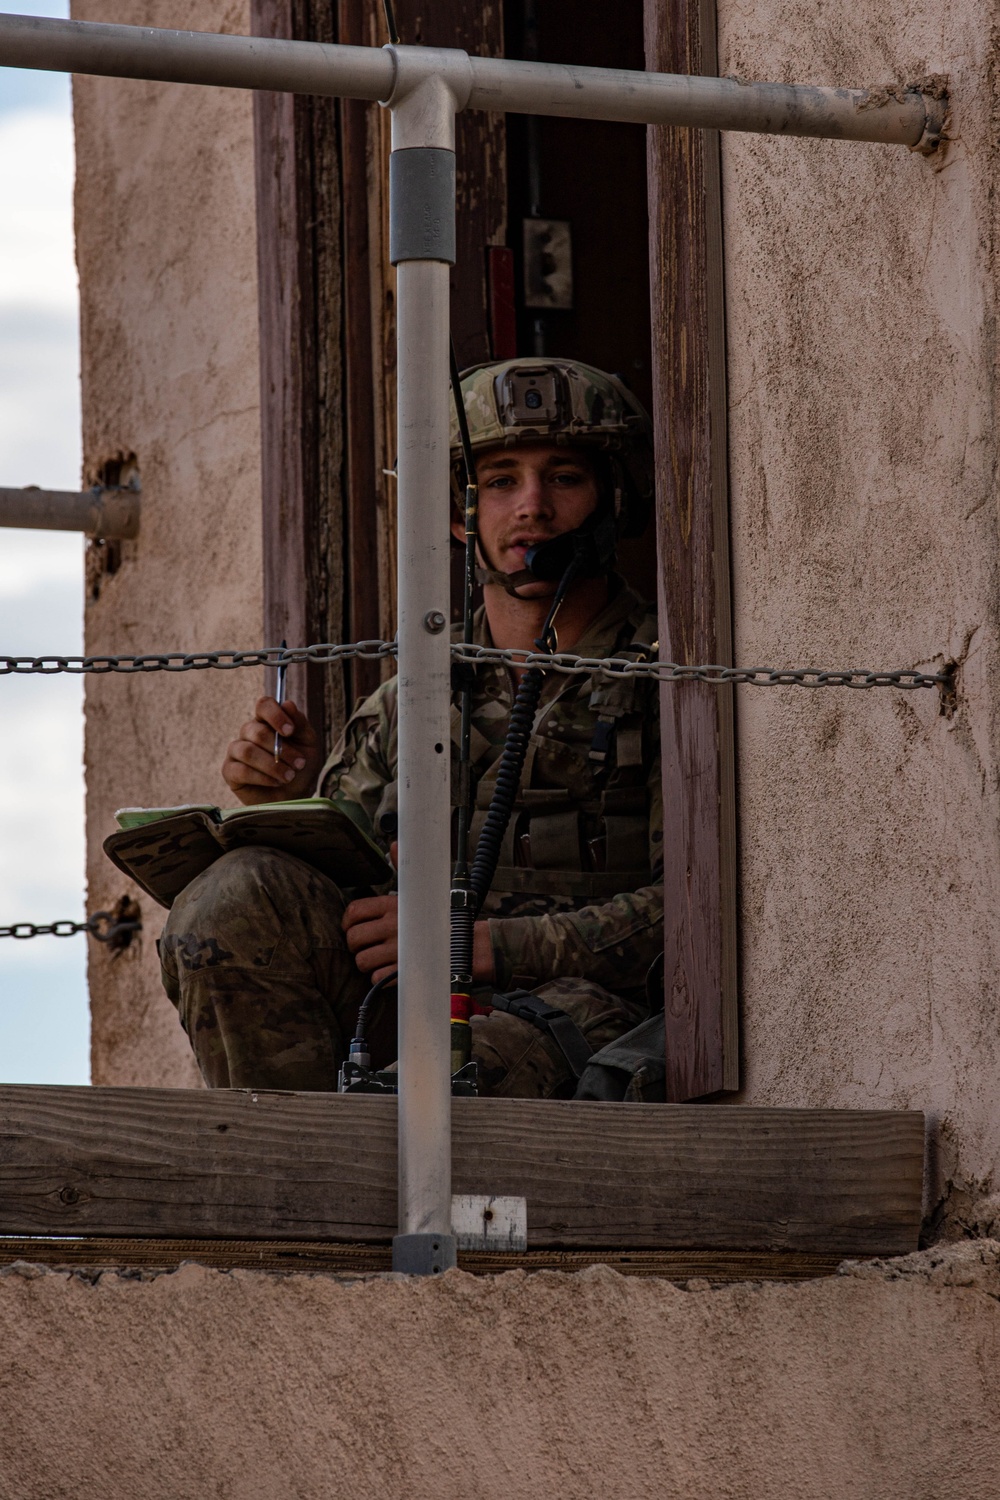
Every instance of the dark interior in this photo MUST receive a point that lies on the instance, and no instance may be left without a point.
(592, 174)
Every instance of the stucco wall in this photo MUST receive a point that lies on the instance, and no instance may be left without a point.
(861, 329)
(167, 256)
(881, 1385)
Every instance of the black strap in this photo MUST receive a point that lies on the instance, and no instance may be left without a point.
(556, 1023)
(604, 738)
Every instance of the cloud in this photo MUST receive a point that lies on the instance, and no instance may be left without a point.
(41, 868)
(43, 988)
(31, 88)
(41, 752)
(36, 227)
(32, 560)
(43, 1000)
(39, 338)
(44, 1028)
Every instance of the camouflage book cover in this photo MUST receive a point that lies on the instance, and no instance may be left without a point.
(163, 849)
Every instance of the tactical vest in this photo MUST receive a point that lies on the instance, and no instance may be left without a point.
(587, 848)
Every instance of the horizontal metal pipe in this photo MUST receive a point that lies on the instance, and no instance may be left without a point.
(714, 103)
(239, 62)
(110, 513)
(907, 118)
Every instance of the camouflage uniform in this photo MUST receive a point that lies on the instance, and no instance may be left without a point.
(253, 954)
(254, 957)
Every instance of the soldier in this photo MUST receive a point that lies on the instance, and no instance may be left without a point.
(267, 960)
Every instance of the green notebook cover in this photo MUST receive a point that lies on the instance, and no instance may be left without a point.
(163, 848)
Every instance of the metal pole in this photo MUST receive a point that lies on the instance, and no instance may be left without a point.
(110, 513)
(239, 62)
(422, 247)
(904, 117)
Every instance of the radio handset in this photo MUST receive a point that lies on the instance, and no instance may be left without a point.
(590, 550)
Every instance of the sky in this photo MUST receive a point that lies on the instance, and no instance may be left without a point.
(44, 1028)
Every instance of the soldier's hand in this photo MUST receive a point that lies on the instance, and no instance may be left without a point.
(371, 925)
(250, 768)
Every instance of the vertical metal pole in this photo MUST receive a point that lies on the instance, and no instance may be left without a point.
(424, 762)
(422, 235)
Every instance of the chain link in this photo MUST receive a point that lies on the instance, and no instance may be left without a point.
(194, 661)
(44, 929)
(563, 661)
(111, 933)
(668, 671)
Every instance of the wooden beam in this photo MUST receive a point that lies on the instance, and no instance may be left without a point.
(234, 1163)
(294, 1255)
(696, 720)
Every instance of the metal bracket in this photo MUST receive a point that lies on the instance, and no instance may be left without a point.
(108, 511)
(484, 1223)
(424, 1254)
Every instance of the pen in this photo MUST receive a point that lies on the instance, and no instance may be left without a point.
(279, 693)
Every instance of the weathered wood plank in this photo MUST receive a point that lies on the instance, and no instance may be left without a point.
(299, 261)
(480, 165)
(481, 219)
(364, 484)
(361, 485)
(165, 1162)
(295, 1255)
(696, 721)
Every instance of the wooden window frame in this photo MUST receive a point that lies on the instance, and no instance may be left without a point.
(327, 442)
(697, 733)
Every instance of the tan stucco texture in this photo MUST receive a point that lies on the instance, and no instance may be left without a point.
(878, 1385)
(166, 246)
(861, 307)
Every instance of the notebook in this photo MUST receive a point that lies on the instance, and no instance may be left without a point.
(163, 848)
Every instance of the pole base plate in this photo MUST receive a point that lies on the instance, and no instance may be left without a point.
(424, 1254)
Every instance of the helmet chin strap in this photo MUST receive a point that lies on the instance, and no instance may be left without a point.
(509, 582)
(590, 549)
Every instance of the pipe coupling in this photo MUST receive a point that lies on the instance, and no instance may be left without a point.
(430, 85)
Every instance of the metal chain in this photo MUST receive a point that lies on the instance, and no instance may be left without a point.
(668, 671)
(93, 925)
(194, 661)
(563, 661)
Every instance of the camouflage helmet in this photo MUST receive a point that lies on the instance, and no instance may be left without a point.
(552, 400)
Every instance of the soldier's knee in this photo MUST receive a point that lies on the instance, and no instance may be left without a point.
(233, 897)
(246, 905)
(240, 872)
(237, 880)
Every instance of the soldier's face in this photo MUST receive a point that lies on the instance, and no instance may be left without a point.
(526, 496)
